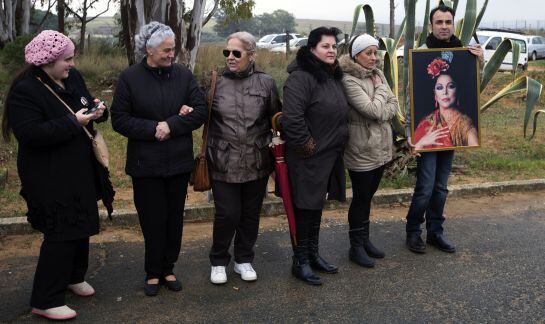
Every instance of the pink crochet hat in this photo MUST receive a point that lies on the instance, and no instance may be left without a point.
(47, 47)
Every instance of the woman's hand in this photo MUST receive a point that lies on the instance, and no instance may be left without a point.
(412, 148)
(185, 110)
(100, 111)
(82, 118)
(162, 131)
(376, 80)
(432, 138)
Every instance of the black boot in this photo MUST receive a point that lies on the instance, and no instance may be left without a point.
(357, 252)
(316, 261)
(371, 250)
(301, 267)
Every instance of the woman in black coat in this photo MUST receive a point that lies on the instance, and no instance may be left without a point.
(157, 104)
(57, 167)
(314, 124)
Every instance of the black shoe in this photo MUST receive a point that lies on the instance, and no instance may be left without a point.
(174, 285)
(303, 271)
(151, 289)
(358, 255)
(415, 243)
(318, 263)
(440, 242)
(371, 250)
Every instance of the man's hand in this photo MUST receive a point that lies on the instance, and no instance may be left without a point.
(477, 50)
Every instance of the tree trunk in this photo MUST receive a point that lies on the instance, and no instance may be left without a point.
(60, 15)
(129, 26)
(177, 23)
(392, 19)
(22, 17)
(194, 31)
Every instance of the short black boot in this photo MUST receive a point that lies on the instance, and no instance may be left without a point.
(357, 252)
(316, 261)
(371, 250)
(301, 267)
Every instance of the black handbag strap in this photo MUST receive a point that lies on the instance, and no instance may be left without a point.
(210, 100)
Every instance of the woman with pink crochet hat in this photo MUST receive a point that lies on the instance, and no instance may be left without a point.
(47, 108)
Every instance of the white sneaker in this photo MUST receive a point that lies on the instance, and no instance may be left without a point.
(56, 313)
(218, 275)
(246, 272)
(82, 289)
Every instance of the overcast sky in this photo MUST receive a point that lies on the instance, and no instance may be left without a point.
(497, 10)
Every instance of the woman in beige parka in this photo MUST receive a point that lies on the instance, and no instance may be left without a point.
(370, 140)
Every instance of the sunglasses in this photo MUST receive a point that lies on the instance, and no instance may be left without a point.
(236, 53)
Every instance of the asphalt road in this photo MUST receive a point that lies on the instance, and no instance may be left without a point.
(497, 275)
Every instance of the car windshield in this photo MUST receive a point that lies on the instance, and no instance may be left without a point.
(266, 39)
(521, 43)
(482, 39)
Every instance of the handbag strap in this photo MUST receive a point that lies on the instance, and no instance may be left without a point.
(210, 102)
(91, 137)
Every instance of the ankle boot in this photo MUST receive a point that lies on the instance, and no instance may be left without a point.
(316, 261)
(357, 252)
(301, 267)
(371, 250)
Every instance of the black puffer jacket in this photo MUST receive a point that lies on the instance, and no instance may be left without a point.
(239, 135)
(55, 160)
(315, 127)
(145, 96)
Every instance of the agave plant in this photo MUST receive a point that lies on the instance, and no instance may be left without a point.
(465, 31)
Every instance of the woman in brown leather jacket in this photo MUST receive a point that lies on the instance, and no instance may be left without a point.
(239, 135)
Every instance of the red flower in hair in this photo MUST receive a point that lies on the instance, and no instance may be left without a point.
(437, 66)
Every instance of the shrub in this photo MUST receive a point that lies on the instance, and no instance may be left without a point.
(13, 54)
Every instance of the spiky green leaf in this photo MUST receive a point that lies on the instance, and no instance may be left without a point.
(400, 31)
(424, 33)
(495, 62)
(470, 20)
(537, 113)
(369, 20)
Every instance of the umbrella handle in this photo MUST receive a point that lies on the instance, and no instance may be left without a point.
(274, 120)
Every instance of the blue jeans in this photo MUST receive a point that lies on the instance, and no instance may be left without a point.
(430, 192)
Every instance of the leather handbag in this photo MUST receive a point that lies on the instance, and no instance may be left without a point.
(100, 149)
(200, 178)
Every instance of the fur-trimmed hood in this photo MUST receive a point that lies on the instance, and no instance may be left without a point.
(349, 66)
(306, 61)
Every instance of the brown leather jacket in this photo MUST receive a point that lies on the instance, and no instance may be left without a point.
(240, 126)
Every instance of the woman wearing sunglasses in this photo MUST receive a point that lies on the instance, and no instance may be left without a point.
(238, 138)
(315, 129)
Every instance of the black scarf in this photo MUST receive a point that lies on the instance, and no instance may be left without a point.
(241, 74)
(433, 42)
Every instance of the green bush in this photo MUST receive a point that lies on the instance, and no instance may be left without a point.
(13, 54)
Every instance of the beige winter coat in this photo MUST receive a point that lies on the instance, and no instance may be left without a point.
(370, 140)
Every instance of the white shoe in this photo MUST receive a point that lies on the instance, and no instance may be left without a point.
(246, 272)
(218, 275)
(82, 289)
(56, 313)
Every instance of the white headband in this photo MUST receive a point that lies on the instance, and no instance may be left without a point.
(362, 42)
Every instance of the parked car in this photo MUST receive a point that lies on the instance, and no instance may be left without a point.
(491, 39)
(536, 47)
(295, 44)
(274, 40)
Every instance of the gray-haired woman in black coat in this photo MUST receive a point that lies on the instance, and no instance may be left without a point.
(157, 105)
(314, 124)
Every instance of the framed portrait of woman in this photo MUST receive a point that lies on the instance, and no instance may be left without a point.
(444, 90)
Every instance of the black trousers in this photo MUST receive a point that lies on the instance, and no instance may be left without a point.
(364, 187)
(238, 206)
(160, 205)
(60, 263)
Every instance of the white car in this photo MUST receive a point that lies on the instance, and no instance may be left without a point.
(491, 39)
(295, 44)
(536, 47)
(274, 40)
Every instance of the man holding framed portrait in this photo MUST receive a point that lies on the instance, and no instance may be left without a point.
(444, 115)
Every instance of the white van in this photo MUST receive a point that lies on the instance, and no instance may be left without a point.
(491, 39)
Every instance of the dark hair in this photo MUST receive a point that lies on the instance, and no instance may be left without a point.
(316, 34)
(6, 127)
(441, 8)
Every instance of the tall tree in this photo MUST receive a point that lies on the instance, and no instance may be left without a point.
(61, 14)
(81, 13)
(186, 24)
(392, 19)
(22, 17)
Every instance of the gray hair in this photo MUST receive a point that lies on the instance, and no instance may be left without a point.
(150, 36)
(246, 38)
